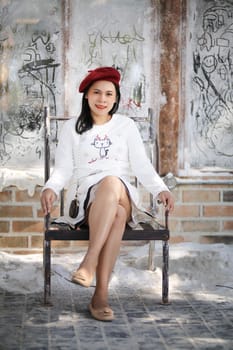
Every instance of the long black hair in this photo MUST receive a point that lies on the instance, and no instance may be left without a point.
(85, 121)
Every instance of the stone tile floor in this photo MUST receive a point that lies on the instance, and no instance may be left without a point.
(200, 320)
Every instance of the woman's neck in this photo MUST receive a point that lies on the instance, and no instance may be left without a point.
(98, 120)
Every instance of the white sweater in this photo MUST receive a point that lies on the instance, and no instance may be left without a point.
(114, 148)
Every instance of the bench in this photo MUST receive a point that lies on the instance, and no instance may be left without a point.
(145, 231)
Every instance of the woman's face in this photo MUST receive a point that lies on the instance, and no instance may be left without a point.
(101, 97)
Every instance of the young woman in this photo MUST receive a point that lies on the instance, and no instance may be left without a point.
(97, 154)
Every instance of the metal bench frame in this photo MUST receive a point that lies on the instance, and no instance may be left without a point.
(146, 232)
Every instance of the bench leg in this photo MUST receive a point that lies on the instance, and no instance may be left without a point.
(151, 264)
(47, 271)
(165, 283)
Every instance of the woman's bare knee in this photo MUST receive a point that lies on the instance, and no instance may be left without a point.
(121, 214)
(111, 187)
(112, 190)
(111, 182)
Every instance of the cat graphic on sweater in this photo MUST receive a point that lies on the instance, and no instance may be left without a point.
(103, 145)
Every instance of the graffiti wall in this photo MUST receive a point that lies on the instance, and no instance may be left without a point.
(33, 57)
(210, 84)
(30, 77)
(120, 34)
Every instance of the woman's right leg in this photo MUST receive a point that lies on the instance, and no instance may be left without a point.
(99, 306)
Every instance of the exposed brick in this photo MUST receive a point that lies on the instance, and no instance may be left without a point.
(54, 213)
(15, 211)
(40, 213)
(63, 251)
(27, 251)
(206, 226)
(200, 196)
(187, 223)
(23, 196)
(13, 242)
(77, 244)
(5, 196)
(213, 210)
(37, 241)
(228, 225)
(186, 210)
(27, 226)
(174, 224)
(60, 244)
(228, 196)
(4, 226)
(177, 239)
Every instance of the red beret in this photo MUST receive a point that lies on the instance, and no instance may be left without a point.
(102, 73)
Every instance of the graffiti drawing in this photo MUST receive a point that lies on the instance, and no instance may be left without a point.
(212, 77)
(128, 44)
(30, 83)
(121, 45)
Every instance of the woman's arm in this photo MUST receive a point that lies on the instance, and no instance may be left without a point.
(47, 199)
(63, 168)
(143, 169)
(64, 162)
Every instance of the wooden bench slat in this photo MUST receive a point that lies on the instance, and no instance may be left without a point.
(147, 233)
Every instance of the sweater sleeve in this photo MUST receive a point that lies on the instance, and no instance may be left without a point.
(141, 165)
(64, 162)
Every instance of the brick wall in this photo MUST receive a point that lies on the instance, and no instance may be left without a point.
(21, 221)
(203, 213)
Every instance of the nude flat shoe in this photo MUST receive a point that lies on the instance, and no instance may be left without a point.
(81, 278)
(102, 314)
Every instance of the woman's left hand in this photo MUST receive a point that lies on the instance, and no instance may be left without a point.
(167, 199)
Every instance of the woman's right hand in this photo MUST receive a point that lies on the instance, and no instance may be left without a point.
(47, 199)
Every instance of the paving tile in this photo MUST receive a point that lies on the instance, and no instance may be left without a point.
(201, 321)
